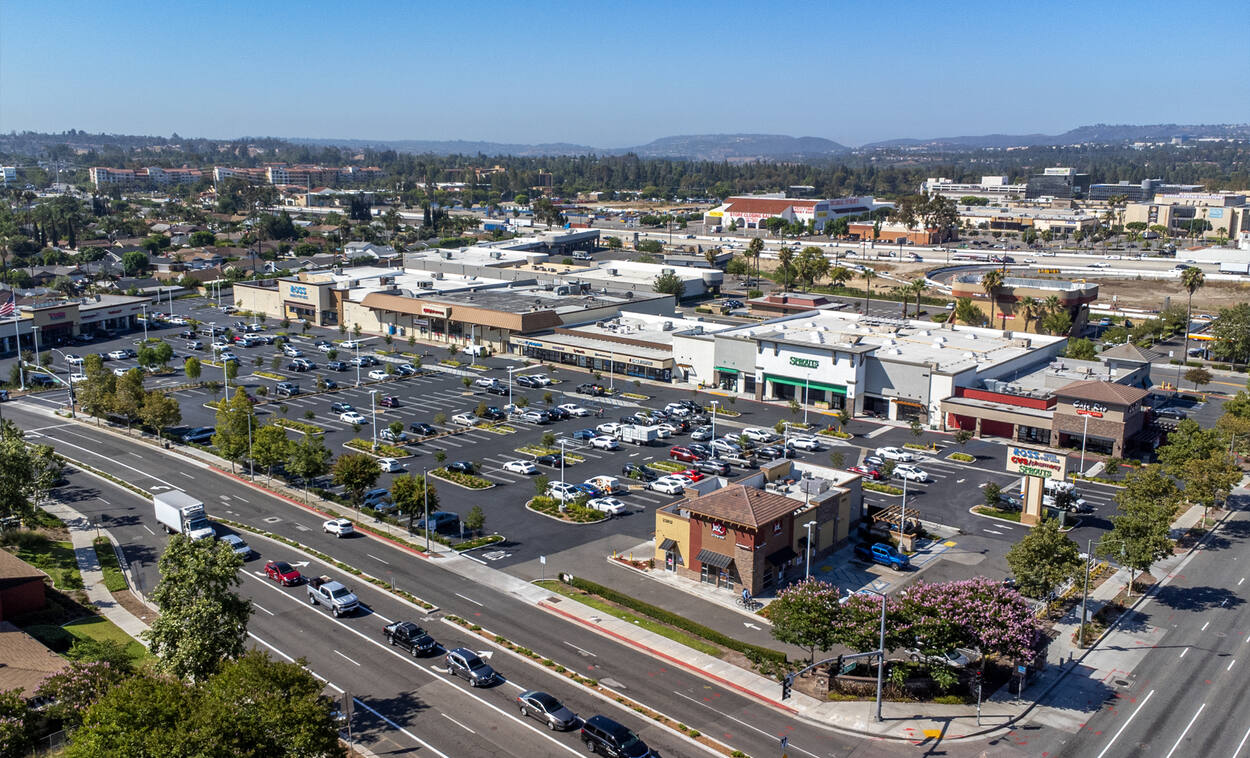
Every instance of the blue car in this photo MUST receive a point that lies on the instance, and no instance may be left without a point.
(590, 490)
(441, 521)
(584, 434)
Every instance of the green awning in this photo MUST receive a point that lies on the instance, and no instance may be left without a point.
(836, 389)
(727, 370)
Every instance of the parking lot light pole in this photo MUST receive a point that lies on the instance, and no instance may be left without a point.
(611, 371)
(562, 493)
(357, 346)
(373, 411)
(69, 385)
(1084, 434)
(35, 330)
(807, 559)
(714, 403)
(144, 307)
(880, 650)
(425, 496)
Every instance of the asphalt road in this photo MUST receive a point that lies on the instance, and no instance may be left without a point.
(713, 709)
(1187, 697)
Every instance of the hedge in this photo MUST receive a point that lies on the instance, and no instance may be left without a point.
(754, 652)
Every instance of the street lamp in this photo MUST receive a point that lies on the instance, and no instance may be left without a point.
(807, 559)
(251, 464)
(145, 322)
(69, 385)
(425, 496)
(611, 371)
(807, 388)
(1084, 434)
(714, 404)
(880, 650)
(373, 412)
(35, 329)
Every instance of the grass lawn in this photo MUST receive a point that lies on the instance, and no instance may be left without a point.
(985, 510)
(114, 580)
(651, 625)
(55, 558)
(99, 628)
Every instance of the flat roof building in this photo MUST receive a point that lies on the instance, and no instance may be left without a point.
(749, 211)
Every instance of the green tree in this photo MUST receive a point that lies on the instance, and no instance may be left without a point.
(1192, 280)
(1198, 376)
(310, 458)
(408, 492)
(812, 265)
(785, 266)
(355, 473)
(270, 446)
(475, 520)
(1057, 323)
(159, 411)
(669, 283)
(1081, 349)
(128, 397)
(19, 485)
(993, 495)
(134, 262)
(961, 436)
(755, 249)
(1231, 330)
(868, 274)
(71, 691)
(968, 313)
(192, 368)
(803, 613)
(1043, 559)
(1209, 480)
(202, 621)
(992, 282)
(1144, 512)
(17, 724)
(235, 416)
(1189, 442)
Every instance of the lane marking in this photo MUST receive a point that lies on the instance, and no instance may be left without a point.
(769, 735)
(374, 557)
(1241, 744)
(457, 723)
(1186, 650)
(102, 500)
(1204, 626)
(471, 600)
(581, 650)
(94, 454)
(344, 657)
(263, 608)
(145, 526)
(1191, 723)
(186, 474)
(1132, 716)
(1240, 581)
(1230, 664)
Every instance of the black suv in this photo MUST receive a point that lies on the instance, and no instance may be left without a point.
(497, 389)
(494, 414)
(634, 471)
(467, 665)
(527, 381)
(593, 390)
(603, 735)
(423, 429)
(463, 467)
(410, 637)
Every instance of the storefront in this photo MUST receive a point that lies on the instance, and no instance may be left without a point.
(1103, 417)
(611, 358)
(294, 299)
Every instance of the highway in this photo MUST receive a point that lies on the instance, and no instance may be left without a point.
(738, 720)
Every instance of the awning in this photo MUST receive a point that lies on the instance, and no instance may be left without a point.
(782, 556)
(836, 389)
(910, 403)
(716, 560)
(668, 544)
(728, 370)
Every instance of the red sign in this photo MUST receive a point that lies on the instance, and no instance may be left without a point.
(434, 311)
(718, 530)
(1092, 414)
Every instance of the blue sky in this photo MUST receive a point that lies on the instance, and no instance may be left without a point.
(617, 74)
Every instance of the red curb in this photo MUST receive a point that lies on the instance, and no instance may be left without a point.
(669, 658)
(311, 509)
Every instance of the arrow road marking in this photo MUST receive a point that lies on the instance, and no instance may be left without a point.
(749, 625)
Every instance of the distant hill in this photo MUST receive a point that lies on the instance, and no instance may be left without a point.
(1102, 133)
(712, 147)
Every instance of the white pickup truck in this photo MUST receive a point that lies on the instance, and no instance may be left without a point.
(323, 590)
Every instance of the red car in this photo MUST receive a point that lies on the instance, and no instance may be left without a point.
(282, 573)
(867, 472)
(684, 454)
(692, 475)
(388, 401)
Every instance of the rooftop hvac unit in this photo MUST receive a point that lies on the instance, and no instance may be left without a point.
(668, 271)
(446, 255)
(697, 330)
(667, 326)
(437, 274)
(612, 272)
(496, 254)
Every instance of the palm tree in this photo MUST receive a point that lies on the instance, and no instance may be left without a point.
(991, 282)
(1052, 304)
(785, 256)
(917, 288)
(868, 274)
(1029, 307)
(754, 248)
(1192, 280)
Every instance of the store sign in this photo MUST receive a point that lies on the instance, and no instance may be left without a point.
(718, 530)
(56, 316)
(804, 362)
(298, 291)
(1083, 408)
(1032, 462)
(434, 310)
(530, 343)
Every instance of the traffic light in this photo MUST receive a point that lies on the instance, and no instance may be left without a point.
(786, 684)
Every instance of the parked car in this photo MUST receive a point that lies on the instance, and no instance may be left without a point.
(464, 419)
(378, 375)
(201, 435)
(406, 369)
(760, 434)
(485, 382)
(283, 573)
(388, 401)
(300, 365)
(868, 472)
(525, 380)
(589, 490)
(684, 454)
(895, 454)
(520, 467)
(774, 452)
(422, 428)
(875, 461)
(497, 389)
(440, 521)
(610, 428)
(323, 346)
(712, 466)
(336, 365)
(950, 657)
(563, 491)
(466, 664)
(352, 417)
(801, 442)
(635, 471)
(609, 505)
(557, 414)
(1176, 414)
(339, 527)
(121, 355)
(594, 390)
(585, 434)
(390, 465)
(573, 409)
(493, 413)
(536, 417)
(460, 467)
(546, 709)
(605, 443)
(341, 407)
(601, 734)
(910, 473)
(375, 497)
(701, 434)
(884, 554)
(668, 485)
(551, 459)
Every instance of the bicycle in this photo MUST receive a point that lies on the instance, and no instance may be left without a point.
(749, 603)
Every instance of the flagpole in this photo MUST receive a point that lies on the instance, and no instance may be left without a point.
(17, 339)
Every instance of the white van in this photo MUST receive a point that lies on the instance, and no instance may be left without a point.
(608, 485)
(476, 351)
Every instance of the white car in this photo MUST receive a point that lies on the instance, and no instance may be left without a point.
(77, 377)
(377, 374)
(664, 431)
(390, 465)
(573, 409)
(177, 321)
(521, 467)
(217, 347)
(349, 344)
(121, 355)
(563, 491)
(895, 454)
(759, 434)
(608, 505)
(464, 419)
(73, 360)
(339, 527)
(237, 544)
(120, 371)
(352, 417)
(668, 485)
(911, 473)
(605, 443)
(610, 428)
(542, 380)
(485, 383)
(804, 443)
(950, 657)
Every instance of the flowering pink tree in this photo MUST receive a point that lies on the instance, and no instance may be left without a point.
(77, 687)
(857, 624)
(976, 612)
(803, 615)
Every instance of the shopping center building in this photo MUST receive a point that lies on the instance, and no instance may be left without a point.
(55, 321)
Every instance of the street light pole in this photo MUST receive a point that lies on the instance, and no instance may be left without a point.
(425, 495)
(807, 552)
(807, 388)
(611, 371)
(35, 329)
(144, 307)
(373, 412)
(562, 493)
(251, 464)
(1084, 435)
(714, 404)
(1080, 635)
(357, 346)
(880, 650)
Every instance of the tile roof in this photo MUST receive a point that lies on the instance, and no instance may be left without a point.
(1130, 352)
(24, 661)
(744, 505)
(1102, 392)
(14, 570)
(765, 204)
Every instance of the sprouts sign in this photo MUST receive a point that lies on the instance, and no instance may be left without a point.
(1032, 462)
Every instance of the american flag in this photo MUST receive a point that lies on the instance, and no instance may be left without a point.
(9, 308)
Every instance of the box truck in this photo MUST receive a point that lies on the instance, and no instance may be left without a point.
(180, 513)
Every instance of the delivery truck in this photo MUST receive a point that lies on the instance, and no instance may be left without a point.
(180, 513)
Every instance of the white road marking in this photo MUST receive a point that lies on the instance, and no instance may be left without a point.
(770, 735)
(102, 500)
(344, 657)
(1128, 721)
(1183, 652)
(1241, 744)
(374, 557)
(1230, 664)
(145, 526)
(1204, 626)
(457, 723)
(119, 463)
(471, 600)
(581, 650)
(186, 474)
(1240, 581)
(263, 608)
(1191, 723)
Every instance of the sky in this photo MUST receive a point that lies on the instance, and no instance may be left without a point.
(609, 74)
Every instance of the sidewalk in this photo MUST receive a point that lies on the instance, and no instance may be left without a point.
(81, 535)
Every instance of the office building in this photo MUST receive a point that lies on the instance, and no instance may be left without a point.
(1057, 182)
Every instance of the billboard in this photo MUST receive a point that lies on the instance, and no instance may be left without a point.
(1033, 462)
